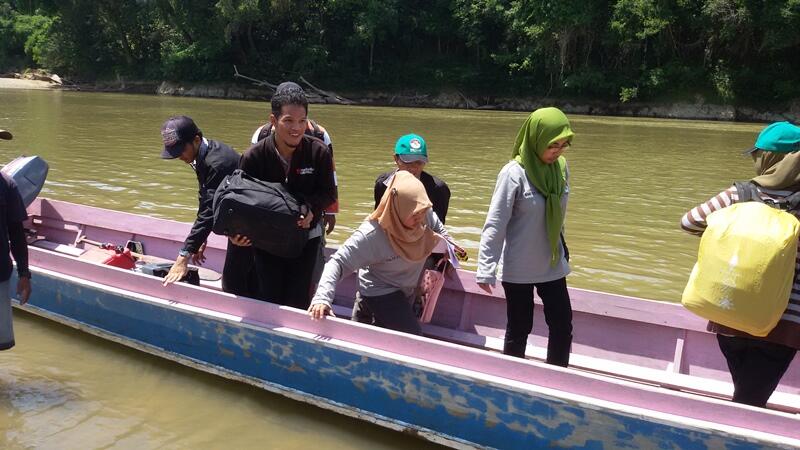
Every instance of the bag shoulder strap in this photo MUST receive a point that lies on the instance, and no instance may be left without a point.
(266, 130)
(317, 133)
(747, 191)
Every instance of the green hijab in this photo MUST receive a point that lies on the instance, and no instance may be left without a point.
(543, 127)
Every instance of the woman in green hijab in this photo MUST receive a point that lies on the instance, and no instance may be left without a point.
(524, 226)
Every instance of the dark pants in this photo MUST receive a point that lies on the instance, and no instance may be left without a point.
(756, 367)
(287, 281)
(238, 274)
(557, 314)
(392, 311)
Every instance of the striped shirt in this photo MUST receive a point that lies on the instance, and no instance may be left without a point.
(787, 332)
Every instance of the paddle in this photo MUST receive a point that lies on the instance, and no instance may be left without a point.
(202, 272)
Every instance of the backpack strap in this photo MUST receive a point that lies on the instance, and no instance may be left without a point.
(265, 131)
(792, 202)
(747, 191)
(317, 133)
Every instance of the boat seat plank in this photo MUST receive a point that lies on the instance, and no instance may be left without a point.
(60, 248)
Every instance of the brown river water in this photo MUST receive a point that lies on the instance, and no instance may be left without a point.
(631, 180)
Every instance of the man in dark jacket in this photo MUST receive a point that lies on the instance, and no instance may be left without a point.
(315, 130)
(411, 154)
(305, 166)
(12, 235)
(212, 161)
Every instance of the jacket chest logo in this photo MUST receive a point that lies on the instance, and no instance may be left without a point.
(305, 171)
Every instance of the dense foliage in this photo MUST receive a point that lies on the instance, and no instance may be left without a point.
(724, 50)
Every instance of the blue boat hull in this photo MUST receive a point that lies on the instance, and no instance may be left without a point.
(445, 406)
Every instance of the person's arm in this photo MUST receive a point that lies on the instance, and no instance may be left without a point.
(324, 186)
(19, 249)
(442, 203)
(203, 223)
(354, 254)
(494, 230)
(694, 221)
(380, 189)
(332, 209)
(437, 226)
(15, 215)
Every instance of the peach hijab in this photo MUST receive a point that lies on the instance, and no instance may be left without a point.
(405, 197)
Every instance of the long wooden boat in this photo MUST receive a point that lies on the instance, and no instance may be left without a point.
(644, 374)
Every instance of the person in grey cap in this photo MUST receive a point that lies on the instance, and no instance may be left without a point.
(212, 161)
(12, 235)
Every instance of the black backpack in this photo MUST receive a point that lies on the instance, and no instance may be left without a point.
(267, 213)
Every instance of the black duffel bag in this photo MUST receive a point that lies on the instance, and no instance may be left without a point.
(264, 212)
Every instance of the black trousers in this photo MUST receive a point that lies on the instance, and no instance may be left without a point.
(756, 367)
(287, 281)
(557, 314)
(238, 274)
(393, 311)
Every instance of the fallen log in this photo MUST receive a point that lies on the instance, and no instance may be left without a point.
(314, 95)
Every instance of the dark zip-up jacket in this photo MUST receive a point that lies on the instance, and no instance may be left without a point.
(12, 234)
(214, 162)
(310, 177)
(437, 190)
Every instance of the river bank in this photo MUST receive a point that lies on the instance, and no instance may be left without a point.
(697, 110)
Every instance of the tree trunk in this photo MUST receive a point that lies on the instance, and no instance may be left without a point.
(563, 46)
(371, 54)
(250, 39)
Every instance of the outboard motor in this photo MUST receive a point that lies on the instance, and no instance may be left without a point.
(29, 172)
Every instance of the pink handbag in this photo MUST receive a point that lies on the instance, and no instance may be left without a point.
(431, 286)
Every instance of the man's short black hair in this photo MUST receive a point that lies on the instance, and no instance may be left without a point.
(288, 97)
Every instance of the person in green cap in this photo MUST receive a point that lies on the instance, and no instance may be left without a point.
(757, 364)
(524, 224)
(411, 155)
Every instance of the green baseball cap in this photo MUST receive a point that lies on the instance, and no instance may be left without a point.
(779, 137)
(410, 148)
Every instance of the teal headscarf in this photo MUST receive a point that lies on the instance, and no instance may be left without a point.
(543, 127)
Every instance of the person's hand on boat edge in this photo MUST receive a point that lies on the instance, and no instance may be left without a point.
(241, 241)
(23, 290)
(318, 311)
(486, 287)
(199, 258)
(177, 271)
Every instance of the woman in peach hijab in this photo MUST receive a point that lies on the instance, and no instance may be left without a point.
(388, 250)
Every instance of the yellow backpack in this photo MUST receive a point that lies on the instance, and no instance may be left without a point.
(746, 263)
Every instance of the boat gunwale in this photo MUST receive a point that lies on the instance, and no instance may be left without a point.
(504, 368)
